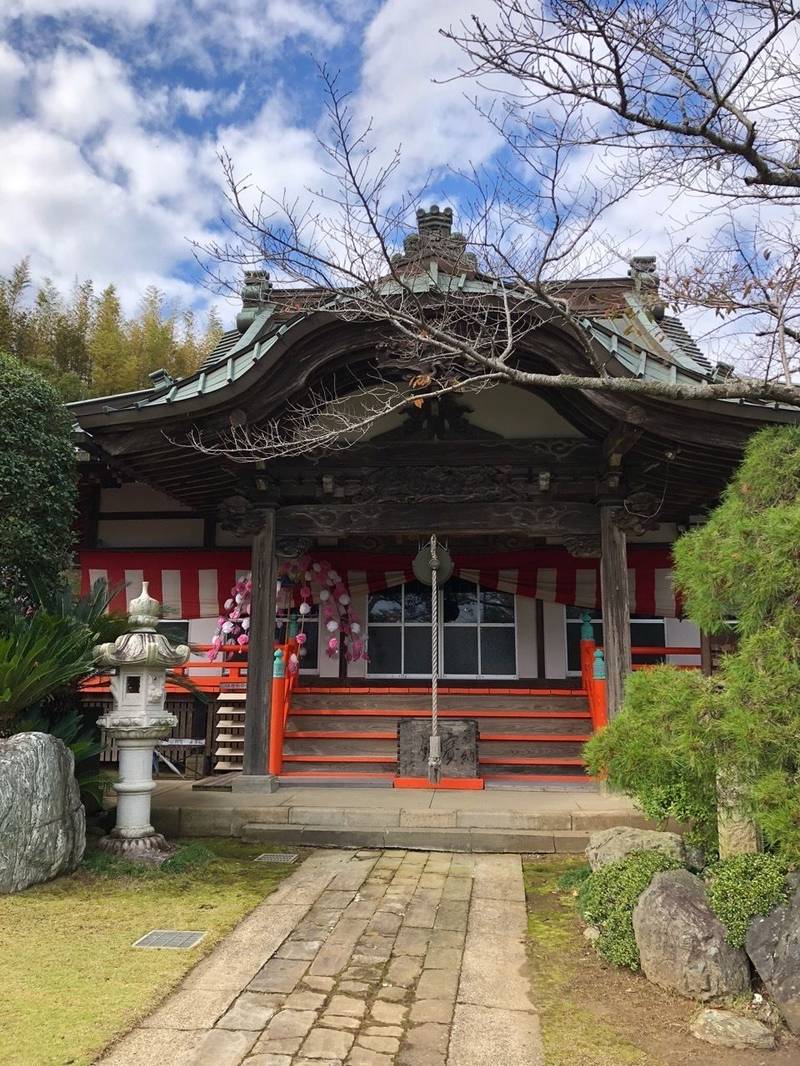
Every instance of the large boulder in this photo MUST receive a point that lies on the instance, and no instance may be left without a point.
(609, 845)
(773, 944)
(723, 1028)
(682, 943)
(42, 820)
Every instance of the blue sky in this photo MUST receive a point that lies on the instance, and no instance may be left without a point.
(112, 112)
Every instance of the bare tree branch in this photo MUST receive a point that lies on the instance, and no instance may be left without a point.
(457, 312)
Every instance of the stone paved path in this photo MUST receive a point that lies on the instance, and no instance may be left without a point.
(361, 959)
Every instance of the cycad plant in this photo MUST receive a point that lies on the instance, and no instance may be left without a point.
(39, 654)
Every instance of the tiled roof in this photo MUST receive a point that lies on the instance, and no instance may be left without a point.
(614, 318)
(222, 347)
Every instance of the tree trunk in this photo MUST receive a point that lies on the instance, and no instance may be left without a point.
(738, 834)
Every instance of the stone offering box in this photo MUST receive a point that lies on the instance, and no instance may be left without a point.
(459, 747)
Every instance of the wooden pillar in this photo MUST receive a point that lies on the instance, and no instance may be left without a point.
(260, 658)
(616, 607)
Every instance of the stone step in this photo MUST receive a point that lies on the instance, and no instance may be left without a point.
(421, 838)
(230, 813)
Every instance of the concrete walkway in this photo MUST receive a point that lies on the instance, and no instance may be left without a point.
(361, 959)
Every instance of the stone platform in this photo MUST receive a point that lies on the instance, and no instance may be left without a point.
(361, 959)
(539, 822)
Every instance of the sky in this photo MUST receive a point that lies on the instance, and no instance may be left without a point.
(112, 113)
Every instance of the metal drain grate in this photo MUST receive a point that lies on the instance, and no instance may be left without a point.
(277, 856)
(170, 938)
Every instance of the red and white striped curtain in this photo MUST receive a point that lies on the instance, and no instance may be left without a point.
(194, 583)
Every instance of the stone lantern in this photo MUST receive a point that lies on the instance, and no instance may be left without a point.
(140, 659)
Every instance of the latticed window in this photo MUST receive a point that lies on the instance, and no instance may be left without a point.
(478, 631)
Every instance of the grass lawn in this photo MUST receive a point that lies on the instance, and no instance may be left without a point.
(594, 1014)
(573, 1035)
(72, 981)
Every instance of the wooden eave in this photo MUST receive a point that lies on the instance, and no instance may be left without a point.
(141, 436)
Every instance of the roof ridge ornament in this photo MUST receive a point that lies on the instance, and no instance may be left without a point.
(435, 242)
(256, 292)
(642, 271)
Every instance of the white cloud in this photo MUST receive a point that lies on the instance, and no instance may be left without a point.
(135, 11)
(193, 101)
(81, 90)
(404, 87)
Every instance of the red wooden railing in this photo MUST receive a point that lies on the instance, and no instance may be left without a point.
(229, 674)
(593, 676)
(284, 682)
(665, 650)
(593, 680)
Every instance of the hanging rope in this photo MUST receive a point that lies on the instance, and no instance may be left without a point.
(435, 751)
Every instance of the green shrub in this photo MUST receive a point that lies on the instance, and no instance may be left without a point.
(744, 564)
(37, 482)
(574, 878)
(743, 887)
(659, 749)
(607, 899)
(38, 656)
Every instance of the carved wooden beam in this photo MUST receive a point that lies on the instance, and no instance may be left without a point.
(541, 519)
(619, 442)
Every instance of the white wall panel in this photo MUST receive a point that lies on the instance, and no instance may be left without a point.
(555, 640)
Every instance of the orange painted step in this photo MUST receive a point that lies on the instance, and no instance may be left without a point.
(341, 758)
(452, 784)
(524, 760)
(524, 738)
(385, 712)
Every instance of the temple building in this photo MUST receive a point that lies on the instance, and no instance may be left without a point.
(558, 508)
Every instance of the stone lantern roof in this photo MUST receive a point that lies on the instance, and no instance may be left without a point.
(142, 645)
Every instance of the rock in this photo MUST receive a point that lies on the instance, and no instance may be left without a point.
(682, 943)
(726, 1029)
(619, 841)
(591, 933)
(42, 821)
(695, 856)
(773, 944)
